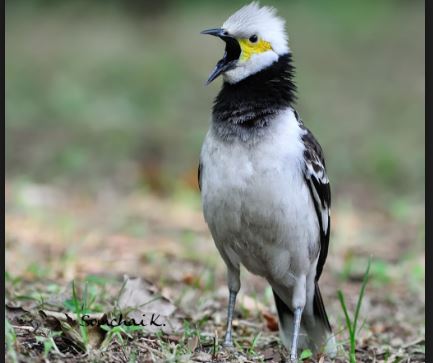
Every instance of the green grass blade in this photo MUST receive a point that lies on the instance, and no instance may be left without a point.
(78, 312)
(361, 294)
(351, 326)
(346, 314)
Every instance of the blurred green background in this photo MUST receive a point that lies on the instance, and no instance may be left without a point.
(112, 92)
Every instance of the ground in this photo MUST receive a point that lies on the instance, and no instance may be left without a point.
(54, 237)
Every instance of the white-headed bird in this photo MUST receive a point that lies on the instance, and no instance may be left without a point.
(265, 193)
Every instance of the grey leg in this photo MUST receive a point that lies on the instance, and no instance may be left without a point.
(228, 341)
(296, 326)
(234, 284)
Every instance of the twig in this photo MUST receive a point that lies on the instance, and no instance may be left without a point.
(23, 327)
(72, 316)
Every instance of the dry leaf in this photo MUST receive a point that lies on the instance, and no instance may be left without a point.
(202, 357)
(193, 343)
(191, 280)
(173, 339)
(271, 355)
(271, 321)
(68, 325)
(141, 302)
(14, 311)
(377, 328)
(251, 305)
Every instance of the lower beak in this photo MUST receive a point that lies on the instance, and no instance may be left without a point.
(231, 55)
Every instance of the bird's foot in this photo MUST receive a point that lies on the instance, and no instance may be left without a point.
(293, 358)
(228, 345)
(228, 341)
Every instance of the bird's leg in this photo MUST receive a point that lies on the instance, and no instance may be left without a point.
(296, 326)
(298, 303)
(234, 285)
(228, 341)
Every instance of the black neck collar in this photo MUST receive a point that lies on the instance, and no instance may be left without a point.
(250, 102)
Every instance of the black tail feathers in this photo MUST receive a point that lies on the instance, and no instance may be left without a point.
(316, 331)
(319, 308)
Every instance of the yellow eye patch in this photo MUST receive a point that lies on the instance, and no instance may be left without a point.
(249, 48)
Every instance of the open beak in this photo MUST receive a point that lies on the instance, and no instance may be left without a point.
(231, 54)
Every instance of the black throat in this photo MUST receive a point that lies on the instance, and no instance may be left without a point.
(250, 103)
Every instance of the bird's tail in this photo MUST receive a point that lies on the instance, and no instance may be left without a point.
(315, 333)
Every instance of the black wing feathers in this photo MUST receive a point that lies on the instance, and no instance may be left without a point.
(318, 185)
(199, 175)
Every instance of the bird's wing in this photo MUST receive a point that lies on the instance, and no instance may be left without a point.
(318, 184)
(199, 175)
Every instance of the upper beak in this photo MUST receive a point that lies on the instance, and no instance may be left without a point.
(218, 32)
(231, 55)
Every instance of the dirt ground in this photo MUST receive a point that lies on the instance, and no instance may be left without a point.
(103, 241)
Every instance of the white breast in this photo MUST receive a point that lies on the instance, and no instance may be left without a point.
(255, 201)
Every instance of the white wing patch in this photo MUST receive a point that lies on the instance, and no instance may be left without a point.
(314, 178)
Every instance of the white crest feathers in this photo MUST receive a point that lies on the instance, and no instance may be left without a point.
(262, 21)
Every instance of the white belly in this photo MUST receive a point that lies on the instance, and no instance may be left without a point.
(256, 203)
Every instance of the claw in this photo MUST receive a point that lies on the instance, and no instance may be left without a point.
(228, 341)
(228, 345)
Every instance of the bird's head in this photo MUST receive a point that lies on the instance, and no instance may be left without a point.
(255, 38)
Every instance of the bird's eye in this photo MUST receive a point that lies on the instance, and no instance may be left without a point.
(253, 38)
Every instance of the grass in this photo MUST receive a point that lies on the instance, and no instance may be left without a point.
(10, 341)
(351, 325)
(49, 343)
(177, 254)
(306, 353)
(80, 308)
(118, 332)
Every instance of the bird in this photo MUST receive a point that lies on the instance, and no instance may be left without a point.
(265, 192)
